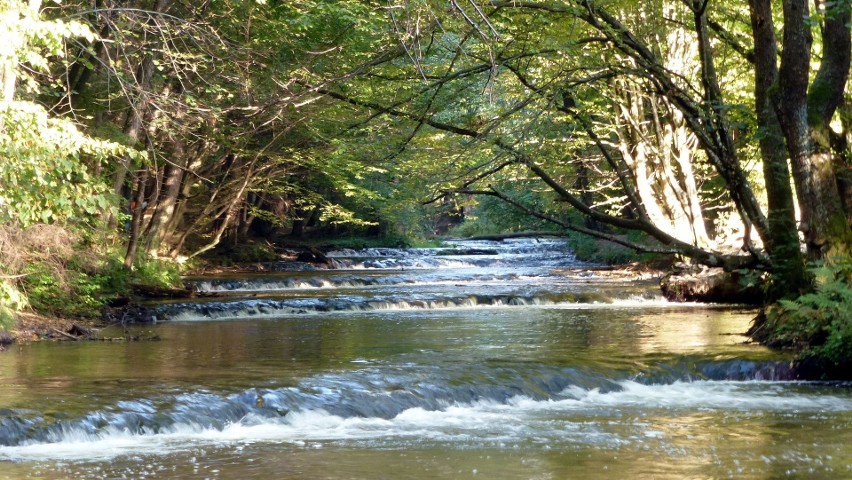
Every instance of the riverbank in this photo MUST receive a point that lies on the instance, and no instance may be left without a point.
(32, 327)
(150, 281)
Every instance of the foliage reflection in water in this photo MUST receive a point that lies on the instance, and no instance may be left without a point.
(630, 387)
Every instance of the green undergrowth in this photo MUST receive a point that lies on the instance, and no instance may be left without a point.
(817, 324)
(11, 300)
(57, 271)
(595, 250)
(81, 288)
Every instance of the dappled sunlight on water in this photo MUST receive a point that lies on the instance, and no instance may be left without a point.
(556, 380)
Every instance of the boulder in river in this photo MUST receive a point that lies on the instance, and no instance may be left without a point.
(711, 285)
(314, 255)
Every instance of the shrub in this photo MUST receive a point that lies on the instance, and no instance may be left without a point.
(11, 300)
(56, 272)
(160, 273)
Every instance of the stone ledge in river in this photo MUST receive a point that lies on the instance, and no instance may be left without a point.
(819, 369)
(710, 285)
(466, 251)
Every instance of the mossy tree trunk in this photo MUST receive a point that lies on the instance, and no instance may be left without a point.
(783, 239)
(805, 111)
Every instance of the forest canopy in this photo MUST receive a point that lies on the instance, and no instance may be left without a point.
(715, 131)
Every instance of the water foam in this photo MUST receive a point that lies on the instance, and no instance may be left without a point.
(344, 409)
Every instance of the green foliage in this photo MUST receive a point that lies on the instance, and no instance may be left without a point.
(819, 323)
(31, 40)
(156, 272)
(50, 294)
(44, 176)
(489, 215)
(11, 300)
(80, 291)
(590, 249)
(472, 228)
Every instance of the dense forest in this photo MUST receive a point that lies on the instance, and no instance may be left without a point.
(140, 136)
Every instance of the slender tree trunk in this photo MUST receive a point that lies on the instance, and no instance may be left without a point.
(581, 184)
(138, 206)
(172, 178)
(139, 106)
(89, 58)
(719, 131)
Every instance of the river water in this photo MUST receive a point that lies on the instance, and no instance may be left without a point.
(485, 360)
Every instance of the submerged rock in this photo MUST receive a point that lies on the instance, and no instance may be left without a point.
(128, 314)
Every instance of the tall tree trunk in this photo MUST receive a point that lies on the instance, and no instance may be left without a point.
(133, 127)
(824, 97)
(783, 240)
(842, 146)
(89, 57)
(718, 128)
(139, 106)
(804, 119)
(173, 172)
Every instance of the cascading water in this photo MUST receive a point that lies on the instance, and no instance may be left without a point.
(487, 359)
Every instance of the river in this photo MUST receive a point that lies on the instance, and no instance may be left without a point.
(506, 360)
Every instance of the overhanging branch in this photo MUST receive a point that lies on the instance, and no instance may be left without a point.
(569, 226)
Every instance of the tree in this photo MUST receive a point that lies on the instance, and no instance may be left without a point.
(805, 111)
(47, 163)
(550, 95)
(205, 90)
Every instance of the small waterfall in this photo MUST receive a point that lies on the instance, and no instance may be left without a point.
(382, 395)
(269, 308)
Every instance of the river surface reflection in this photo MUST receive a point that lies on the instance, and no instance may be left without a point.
(515, 362)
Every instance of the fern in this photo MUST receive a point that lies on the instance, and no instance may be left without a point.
(818, 323)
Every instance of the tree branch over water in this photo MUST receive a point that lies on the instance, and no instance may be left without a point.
(715, 259)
